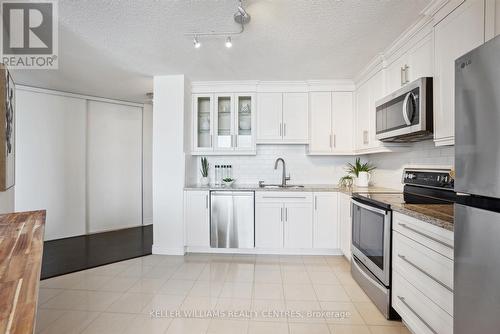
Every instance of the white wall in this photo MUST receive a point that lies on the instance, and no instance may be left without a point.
(302, 168)
(497, 17)
(168, 163)
(50, 160)
(147, 165)
(390, 165)
(114, 166)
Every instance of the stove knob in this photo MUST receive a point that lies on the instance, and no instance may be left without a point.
(411, 176)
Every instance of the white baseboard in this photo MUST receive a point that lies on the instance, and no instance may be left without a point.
(147, 221)
(263, 251)
(159, 250)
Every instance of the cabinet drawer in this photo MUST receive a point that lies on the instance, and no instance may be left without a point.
(283, 197)
(421, 314)
(428, 271)
(436, 238)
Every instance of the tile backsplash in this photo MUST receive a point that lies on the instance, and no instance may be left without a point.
(302, 168)
(305, 169)
(390, 165)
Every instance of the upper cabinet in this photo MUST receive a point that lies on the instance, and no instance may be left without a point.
(365, 126)
(415, 62)
(282, 118)
(455, 35)
(224, 123)
(331, 123)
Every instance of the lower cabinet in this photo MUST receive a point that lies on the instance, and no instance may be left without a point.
(422, 275)
(326, 223)
(283, 220)
(197, 218)
(345, 223)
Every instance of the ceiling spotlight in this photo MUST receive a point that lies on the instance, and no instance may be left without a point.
(196, 43)
(229, 43)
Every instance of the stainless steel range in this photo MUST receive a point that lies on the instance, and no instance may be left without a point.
(372, 224)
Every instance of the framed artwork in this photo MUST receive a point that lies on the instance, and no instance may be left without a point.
(7, 130)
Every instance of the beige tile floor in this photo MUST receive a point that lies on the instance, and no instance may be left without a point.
(119, 298)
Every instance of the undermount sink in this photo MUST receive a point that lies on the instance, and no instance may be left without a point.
(279, 186)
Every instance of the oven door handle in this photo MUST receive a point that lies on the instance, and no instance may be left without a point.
(370, 208)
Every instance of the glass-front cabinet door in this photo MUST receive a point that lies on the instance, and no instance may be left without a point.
(224, 115)
(203, 122)
(245, 121)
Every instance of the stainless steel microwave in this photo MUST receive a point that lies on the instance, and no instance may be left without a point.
(406, 115)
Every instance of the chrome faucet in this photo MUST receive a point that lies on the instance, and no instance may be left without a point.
(284, 178)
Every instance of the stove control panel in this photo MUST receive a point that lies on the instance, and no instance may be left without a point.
(438, 178)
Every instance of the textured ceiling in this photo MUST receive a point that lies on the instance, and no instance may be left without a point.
(112, 48)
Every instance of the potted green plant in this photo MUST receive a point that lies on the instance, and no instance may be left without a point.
(361, 171)
(205, 166)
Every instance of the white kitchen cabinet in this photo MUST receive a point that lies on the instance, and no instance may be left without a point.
(283, 220)
(326, 220)
(455, 35)
(343, 122)
(345, 222)
(196, 218)
(422, 271)
(320, 122)
(414, 63)
(203, 106)
(224, 123)
(282, 118)
(331, 123)
(362, 132)
(298, 225)
(269, 117)
(295, 118)
(366, 96)
(269, 225)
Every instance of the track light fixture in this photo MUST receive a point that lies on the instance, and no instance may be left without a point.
(241, 17)
(196, 42)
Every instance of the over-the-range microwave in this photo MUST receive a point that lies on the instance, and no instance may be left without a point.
(406, 115)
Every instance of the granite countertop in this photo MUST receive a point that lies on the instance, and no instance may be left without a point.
(441, 215)
(306, 188)
(21, 248)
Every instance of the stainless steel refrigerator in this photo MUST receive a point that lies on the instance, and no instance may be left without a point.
(477, 212)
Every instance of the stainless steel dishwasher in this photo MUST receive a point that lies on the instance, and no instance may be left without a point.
(232, 223)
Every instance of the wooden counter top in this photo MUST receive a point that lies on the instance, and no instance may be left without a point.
(21, 248)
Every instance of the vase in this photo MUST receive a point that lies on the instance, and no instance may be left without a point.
(204, 181)
(363, 179)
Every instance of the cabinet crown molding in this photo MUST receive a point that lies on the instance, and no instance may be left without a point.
(272, 86)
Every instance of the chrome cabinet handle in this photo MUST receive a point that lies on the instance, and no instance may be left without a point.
(402, 299)
(402, 257)
(206, 201)
(281, 129)
(406, 74)
(425, 235)
(402, 76)
(334, 140)
(284, 197)
(284, 129)
(330, 140)
(286, 214)
(316, 203)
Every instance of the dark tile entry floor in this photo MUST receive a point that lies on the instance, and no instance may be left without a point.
(67, 255)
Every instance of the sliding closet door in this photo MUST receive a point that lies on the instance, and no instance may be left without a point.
(50, 160)
(114, 166)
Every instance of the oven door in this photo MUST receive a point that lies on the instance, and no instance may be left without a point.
(371, 239)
